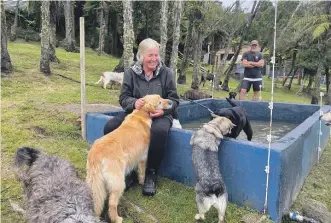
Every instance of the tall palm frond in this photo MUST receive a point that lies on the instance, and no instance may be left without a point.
(315, 24)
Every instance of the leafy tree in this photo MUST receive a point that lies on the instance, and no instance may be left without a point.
(6, 66)
(128, 34)
(178, 8)
(45, 38)
(163, 29)
(69, 25)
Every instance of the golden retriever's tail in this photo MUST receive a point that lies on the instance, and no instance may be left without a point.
(95, 181)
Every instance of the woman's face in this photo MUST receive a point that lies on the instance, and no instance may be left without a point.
(151, 59)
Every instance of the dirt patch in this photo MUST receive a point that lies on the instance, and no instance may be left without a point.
(75, 108)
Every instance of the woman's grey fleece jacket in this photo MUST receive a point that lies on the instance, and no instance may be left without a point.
(136, 86)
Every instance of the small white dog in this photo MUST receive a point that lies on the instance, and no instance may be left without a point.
(176, 124)
(110, 78)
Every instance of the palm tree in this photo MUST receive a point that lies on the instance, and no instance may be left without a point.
(318, 25)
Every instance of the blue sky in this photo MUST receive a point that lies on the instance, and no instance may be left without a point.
(245, 4)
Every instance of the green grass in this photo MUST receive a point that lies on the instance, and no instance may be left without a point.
(30, 118)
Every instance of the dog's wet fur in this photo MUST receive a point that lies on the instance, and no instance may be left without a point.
(210, 188)
(52, 190)
(232, 95)
(238, 116)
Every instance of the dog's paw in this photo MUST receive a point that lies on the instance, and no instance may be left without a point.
(199, 216)
(141, 180)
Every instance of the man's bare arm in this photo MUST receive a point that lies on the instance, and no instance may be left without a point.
(247, 64)
(260, 63)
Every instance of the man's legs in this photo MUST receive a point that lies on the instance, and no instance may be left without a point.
(256, 95)
(158, 144)
(245, 86)
(242, 94)
(256, 89)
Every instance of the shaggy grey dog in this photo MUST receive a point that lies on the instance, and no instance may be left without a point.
(52, 190)
(210, 188)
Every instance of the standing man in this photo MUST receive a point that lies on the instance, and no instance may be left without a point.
(253, 62)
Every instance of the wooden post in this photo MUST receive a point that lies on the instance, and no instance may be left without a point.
(82, 75)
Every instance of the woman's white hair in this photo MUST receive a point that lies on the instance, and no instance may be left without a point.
(145, 45)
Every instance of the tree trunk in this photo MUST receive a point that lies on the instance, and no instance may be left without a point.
(52, 29)
(221, 70)
(186, 56)
(294, 57)
(317, 81)
(176, 34)
(245, 30)
(103, 19)
(327, 77)
(198, 30)
(328, 87)
(115, 43)
(213, 55)
(196, 58)
(13, 28)
(290, 84)
(310, 82)
(45, 39)
(70, 26)
(128, 34)
(163, 29)
(6, 66)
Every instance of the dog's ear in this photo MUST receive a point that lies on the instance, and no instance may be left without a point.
(149, 107)
(213, 130)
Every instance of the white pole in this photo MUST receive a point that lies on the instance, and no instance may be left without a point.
(273, 61)
(82, 75)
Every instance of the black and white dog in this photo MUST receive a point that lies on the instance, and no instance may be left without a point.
(232, 95)
(238, 116)
(210, 188)
(52, 190)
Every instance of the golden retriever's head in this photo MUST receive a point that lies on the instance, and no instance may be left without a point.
(219, 126)
(155, 101)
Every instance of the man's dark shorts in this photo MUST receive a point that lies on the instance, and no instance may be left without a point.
(246, 84)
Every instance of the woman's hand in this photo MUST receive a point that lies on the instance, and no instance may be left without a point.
(157, 113)
(139, 103)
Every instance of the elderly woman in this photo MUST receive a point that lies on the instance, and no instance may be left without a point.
(149, 76)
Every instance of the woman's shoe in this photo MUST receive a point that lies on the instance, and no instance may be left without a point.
(149, 188)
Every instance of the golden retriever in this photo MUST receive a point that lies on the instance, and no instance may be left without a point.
(117, 153)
